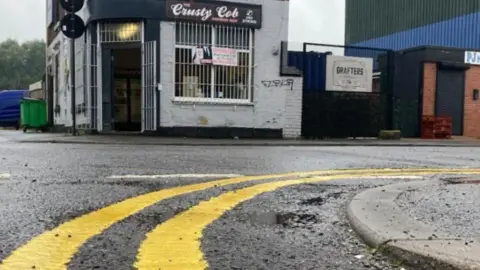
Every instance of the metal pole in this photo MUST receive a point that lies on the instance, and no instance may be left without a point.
(72, 76)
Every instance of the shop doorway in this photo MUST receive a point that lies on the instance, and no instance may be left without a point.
(127, 89)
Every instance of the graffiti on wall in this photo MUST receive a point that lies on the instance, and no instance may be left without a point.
(278, 83)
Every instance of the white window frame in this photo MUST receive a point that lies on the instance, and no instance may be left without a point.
(212, 99)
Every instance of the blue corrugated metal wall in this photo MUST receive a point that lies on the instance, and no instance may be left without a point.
(460, 32)
(315, 64)
(366, 53)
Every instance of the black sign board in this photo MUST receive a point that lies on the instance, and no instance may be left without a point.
(214, 12)
(72, 26)
(72, 6)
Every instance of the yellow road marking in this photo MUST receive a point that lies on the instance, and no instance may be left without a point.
(54, 249)
(176, 243)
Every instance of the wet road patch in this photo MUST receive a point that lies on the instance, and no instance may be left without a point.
(166, 176)
(291, 235)
(174, 244)
(49, 251)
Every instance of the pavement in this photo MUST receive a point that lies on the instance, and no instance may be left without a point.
(127, 138)
(134, 206)
(401, 220)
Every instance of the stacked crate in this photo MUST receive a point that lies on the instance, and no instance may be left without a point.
(436, 127)
(443, 127)
(428, 127)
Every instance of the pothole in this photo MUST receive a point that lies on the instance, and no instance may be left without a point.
(322, 200)
(313, 201)
(287, 220)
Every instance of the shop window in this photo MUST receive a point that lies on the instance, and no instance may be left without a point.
(213, 63)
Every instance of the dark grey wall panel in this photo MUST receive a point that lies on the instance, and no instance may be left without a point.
(123, 9)
(406, 92)
(449, 98)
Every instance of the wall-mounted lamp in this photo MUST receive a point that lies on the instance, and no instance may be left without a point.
(127, 30)
(475, 94)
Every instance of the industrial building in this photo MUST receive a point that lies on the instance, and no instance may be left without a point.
(398, 25)
(172, 67)
(436, 64)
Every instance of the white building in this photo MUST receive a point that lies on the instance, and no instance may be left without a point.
(195, 68)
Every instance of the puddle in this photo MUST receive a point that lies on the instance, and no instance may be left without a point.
(287, 220)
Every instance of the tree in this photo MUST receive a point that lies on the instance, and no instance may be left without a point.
(21, 63)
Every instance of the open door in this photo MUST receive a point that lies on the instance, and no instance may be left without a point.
(149, 87)
(92, 93)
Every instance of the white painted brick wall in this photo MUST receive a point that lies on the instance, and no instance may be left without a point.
(293, 111)
(64, 117)
(273, 107)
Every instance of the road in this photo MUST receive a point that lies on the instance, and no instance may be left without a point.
(65, 206)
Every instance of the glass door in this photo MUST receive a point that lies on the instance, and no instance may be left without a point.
(120, 96)
(136, 100)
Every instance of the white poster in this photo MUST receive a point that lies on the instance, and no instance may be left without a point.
(346, 73)
(215, 56)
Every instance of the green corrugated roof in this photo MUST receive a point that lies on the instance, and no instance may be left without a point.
(367, 19)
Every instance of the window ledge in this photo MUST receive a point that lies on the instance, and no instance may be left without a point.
(215, 101)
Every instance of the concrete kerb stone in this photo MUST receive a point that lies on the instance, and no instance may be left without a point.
(251, 143)
(381, 224)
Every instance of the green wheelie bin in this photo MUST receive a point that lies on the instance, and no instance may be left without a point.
(33, 114)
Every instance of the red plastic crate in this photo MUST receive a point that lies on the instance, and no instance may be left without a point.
(428, 118)
(436, 127)
(443, 119)
(443, 127)
(443, 135)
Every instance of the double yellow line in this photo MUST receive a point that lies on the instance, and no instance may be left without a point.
(174, 244)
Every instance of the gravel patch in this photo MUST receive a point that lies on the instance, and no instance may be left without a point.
(453, 209)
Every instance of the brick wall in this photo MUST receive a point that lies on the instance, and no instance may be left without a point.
(429, 88)
(471, 118)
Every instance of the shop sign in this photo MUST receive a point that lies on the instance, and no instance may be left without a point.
(353, 74)
(472, 58)
(215, 12)
(215, 56)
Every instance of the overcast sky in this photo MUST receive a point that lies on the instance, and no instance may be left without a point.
(310, 20)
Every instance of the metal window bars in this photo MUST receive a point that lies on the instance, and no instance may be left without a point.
(120, 32)
(213, 63)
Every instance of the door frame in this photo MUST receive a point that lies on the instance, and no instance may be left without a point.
(462, 69)
(108, 83)
(149, 86)
(129, 93)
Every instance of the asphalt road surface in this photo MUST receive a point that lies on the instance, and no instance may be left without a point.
(71, 199)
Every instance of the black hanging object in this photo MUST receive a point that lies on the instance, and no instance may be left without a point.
(72, 6)
(72, 29)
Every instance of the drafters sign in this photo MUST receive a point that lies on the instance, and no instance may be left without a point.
(346, 73)
(215, 12)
